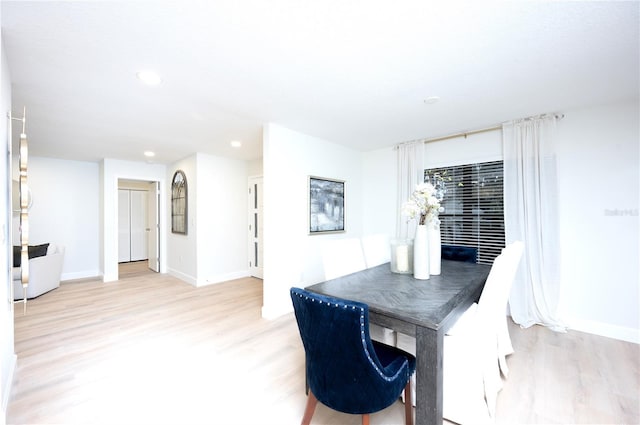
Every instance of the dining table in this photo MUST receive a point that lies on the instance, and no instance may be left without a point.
(424, 309)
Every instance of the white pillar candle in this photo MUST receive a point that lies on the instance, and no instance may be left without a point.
(402, 258)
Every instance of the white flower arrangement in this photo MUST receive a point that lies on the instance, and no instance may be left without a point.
(423, 203)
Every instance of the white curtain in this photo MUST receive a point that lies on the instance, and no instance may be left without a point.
(530, 211)
(410, 173)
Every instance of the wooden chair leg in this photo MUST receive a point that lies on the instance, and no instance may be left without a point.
(408, 404)
(312, 401)
(365, 419)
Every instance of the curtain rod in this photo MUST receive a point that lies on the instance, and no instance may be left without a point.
(465, 134)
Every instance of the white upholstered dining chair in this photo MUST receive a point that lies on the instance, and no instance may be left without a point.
(341, 257)
(376, 249)
(475, 348)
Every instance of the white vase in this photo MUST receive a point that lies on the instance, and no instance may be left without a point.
(435, 248)
(421, 259)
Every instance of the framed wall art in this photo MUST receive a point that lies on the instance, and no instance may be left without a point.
(326, 205)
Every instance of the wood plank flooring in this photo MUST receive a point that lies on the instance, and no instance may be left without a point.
(150, 349)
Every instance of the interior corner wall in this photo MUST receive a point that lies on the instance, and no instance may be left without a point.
(182, 254)
(254, 168)
(222, 219)
(7, 351)
(111, 171)
(291, 255)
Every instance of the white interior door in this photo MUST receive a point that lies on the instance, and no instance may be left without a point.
(124, 244)
(255, 227)
(153, 227)
(139, 206)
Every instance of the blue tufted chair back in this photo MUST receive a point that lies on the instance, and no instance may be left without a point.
(460, 253)
(344, 370)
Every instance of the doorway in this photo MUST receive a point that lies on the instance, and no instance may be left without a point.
(255, 227)
(138, 224)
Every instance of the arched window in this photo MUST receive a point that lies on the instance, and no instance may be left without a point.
(179, 203)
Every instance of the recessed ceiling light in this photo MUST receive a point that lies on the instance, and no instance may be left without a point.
(431, 100)
(149, 154)
(236, 144)
(150, 78)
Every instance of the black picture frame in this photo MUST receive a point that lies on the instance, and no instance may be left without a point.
(326, 205)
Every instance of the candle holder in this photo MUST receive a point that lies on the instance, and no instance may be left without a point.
(402, 256)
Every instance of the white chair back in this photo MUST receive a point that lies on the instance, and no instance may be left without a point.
(341, 257)
(376, 249)
(495, 295)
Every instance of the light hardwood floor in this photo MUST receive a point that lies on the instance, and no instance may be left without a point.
(150, 349)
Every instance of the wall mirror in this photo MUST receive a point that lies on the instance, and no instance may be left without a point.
(179, 203)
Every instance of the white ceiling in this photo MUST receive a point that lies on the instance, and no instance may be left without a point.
(352, 72)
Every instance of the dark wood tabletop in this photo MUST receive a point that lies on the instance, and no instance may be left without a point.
(428, 303)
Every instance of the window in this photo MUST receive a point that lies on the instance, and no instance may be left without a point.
(179, 203)
(473, 206)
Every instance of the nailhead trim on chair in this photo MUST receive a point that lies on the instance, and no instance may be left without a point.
(362, 333)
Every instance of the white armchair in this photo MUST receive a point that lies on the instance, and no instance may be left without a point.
(44, 273)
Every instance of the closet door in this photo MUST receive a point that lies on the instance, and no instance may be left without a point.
(139, 206)
(124, 244)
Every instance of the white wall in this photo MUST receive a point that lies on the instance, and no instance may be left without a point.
(254, 168)
(598, 176)
(481, 147)
(182, 255)
(7, 353)
(291, 254)
(111, 170)
(68, 209)
(222, 219)
(65, 211)
(215, 246)
(599, 186)
(75, 205)
(133, 185)
(379, 192)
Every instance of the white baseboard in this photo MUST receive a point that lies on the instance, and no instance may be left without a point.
(182, 276)
(81, 275)
(270, 313)
(606, 330)
(208, 281)
(223, 278)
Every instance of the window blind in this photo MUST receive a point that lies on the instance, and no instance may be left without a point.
(473, 205)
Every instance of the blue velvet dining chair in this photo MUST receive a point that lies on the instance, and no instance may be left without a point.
(465, 254)
(345, 369)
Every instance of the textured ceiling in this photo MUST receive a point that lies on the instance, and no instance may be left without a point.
(352, 72)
